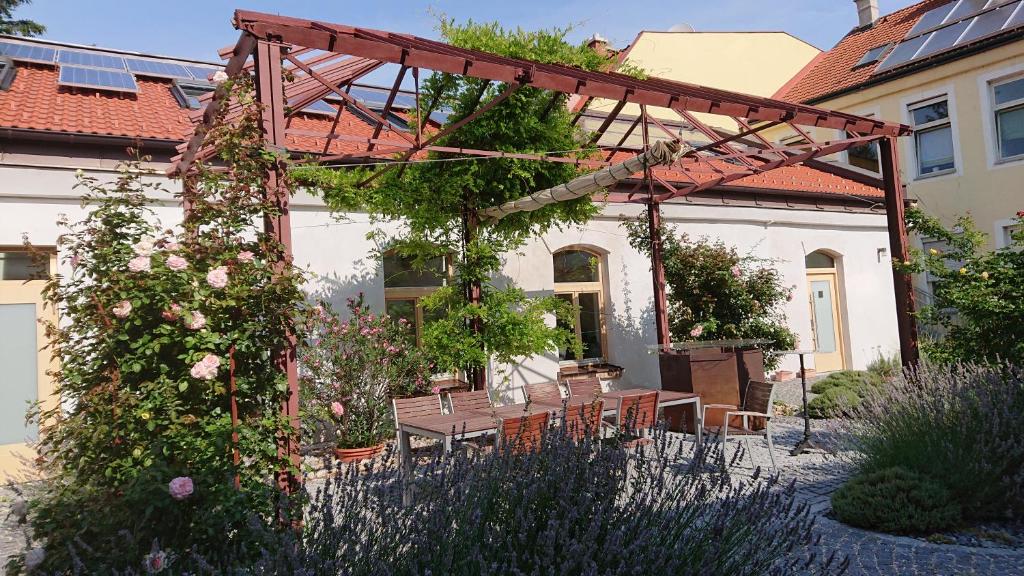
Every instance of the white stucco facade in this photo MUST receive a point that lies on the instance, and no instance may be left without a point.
(36, 189)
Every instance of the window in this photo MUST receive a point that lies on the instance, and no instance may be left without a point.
(188, 93)
(21, 265)
(7, 71)
(579, 281)
(873, 55)
(1008, 100)
(933, 137)
(819, 260)
(406, 282)
(1006, 233)
(864, 155)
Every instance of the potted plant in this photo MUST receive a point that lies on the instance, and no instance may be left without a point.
(350, 369)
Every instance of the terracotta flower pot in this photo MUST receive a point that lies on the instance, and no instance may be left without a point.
(358, 454)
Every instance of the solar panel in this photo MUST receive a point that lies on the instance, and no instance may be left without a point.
(118, 81)
(91, 59)
(872, 55)
(942, 39)
(966, 8)
(988, 23)
(931, 19)
(320, 107)
(159, 69)
(201, 72)
(27, 52)
(1017, 19)
(902, 53)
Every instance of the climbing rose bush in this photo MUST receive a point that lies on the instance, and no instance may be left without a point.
(156, 325)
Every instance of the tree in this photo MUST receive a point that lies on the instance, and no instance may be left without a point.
(978, 295)
(715, 293)
(8, 25)
(436, 197)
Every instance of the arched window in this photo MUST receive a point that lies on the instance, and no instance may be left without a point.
(819, 260)
(579, 277)
(406, 282)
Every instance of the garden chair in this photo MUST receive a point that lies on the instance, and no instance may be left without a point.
(581, 420)
(405, 408)
(523, 433)
(478, 400)
(635, 414)
(546, 392)
(757, 410)
(585, 388)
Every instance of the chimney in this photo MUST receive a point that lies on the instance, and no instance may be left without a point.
(867, 12)
(599, 44)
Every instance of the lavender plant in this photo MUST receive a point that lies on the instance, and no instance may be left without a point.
(959, 424)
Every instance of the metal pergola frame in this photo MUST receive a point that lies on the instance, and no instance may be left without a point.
(324, 59)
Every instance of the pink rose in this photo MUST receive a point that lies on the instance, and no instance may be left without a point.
(206, 369)
(246, 256)
(181, 487)
(198, 321)
(218, 277)
(697, 331)
(122, 309)
(172, 314)
(435, 390)
(155, 561)
(176, 263)
(75, 261)
(145, 246)
(139, 264)
(171, 245)
(736, 271)
(337, 409)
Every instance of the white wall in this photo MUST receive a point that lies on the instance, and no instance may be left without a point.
(337, 253)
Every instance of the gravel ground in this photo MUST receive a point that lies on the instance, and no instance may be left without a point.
(816, 476)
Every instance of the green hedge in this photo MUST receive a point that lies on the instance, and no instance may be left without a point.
(898, 501)
(857, 380)
(832, 402)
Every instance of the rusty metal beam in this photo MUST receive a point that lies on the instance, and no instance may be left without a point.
(902, 282)
(391, 100)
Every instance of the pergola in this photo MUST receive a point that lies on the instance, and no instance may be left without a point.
(324, 59)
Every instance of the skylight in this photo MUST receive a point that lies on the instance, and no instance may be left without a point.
(873, 55)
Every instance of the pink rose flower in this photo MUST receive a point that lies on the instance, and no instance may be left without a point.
(218, 277)
(181, 487)
(736, 271)
(155, 562)
(697, 331)
(145, 246)
(139, 264)
(198, 321)
(122, 309)
(206, 369)
(171, 245)
(172, 314)
(246, 256)
(435, 390)
(337, 409)
(75, 261)
(176, 263)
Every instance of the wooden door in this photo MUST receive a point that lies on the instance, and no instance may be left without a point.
(826, 322)
(24, 361)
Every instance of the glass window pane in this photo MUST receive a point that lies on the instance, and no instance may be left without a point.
(864, 156)
(824, 323)
(1010, 124)
(590, 325)
(402, 272)
(1009, 91)
(819, 260)
(19, 357)
(398, 309)
(930, 113)
(935, 150)
(575, 266)
(23, 266)
(566, 353)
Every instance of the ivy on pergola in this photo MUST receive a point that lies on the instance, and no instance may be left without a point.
(297, 62)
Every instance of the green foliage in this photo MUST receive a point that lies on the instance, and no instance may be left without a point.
(832, 402)
(859, 381)
(958, 424)
(436, 198)
(17, 27)
(153, 323)
(896, 500)
(351, 369)
(886, 367)
(978, 304)
(715, 293)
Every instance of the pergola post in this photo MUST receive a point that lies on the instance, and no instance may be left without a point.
(270, 94)
(658, 274)
(902, 282)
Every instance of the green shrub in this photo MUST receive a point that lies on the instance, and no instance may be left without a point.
(832, 402)
(896, 500)
(886, 367)
(858, 381)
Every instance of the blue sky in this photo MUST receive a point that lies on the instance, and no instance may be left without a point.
(196, 29)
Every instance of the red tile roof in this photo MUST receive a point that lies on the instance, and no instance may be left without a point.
(35, 102)
(834, 71)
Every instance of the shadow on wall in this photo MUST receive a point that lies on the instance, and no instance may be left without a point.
(630, 332)
(336, 290)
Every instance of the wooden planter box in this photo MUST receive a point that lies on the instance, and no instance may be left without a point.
(709, 372)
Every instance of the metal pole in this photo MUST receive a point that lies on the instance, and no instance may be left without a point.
(270, 94)
(657, 255)
(902, 282)
(807, 443)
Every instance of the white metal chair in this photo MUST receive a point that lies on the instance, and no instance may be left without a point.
(757, 405)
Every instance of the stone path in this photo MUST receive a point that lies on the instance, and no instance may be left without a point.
(816, 475)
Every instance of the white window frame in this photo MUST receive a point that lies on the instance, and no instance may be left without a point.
(924, 98)
(986, 85)
(1002, 227)
(844, 156)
